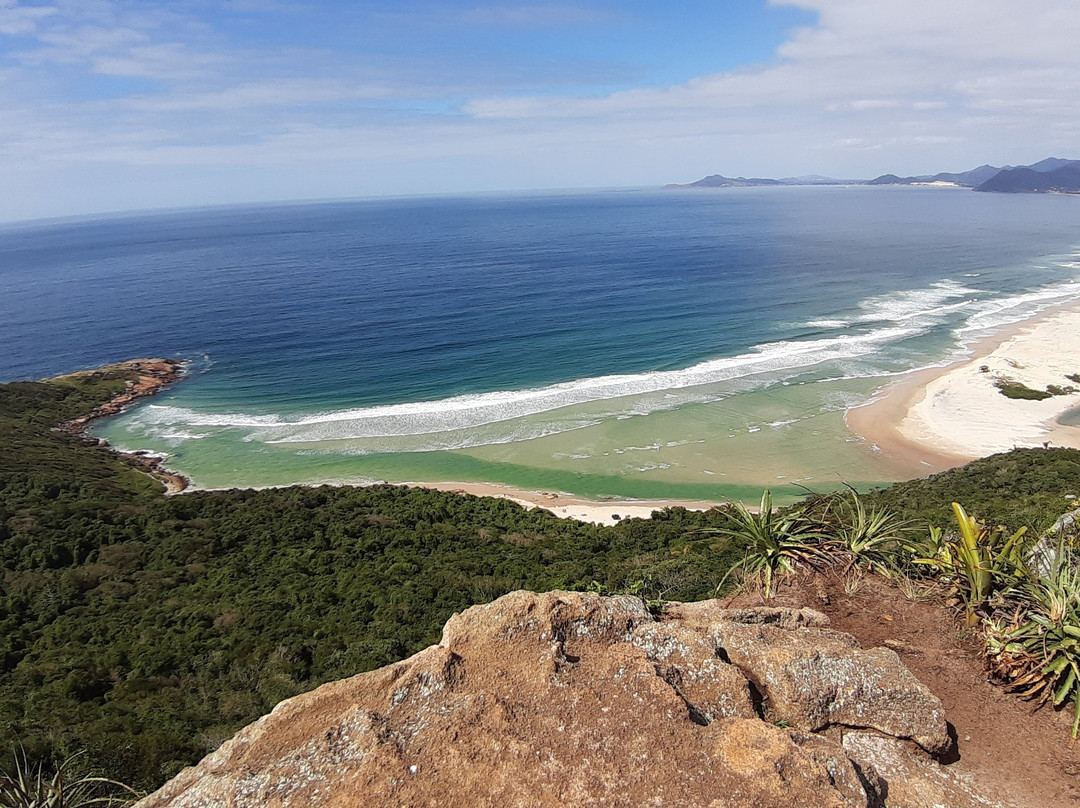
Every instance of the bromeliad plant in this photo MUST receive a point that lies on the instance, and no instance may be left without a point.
(1039, 648)
(979, 562)
(30, 786)
(776, 542)
(872, 537)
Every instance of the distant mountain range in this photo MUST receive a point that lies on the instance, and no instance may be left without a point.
(1052, 175)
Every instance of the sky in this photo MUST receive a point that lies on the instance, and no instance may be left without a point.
(109, 105)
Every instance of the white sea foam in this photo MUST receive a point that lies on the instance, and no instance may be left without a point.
(471, 411)
(904, 306)
(181, 435)
(913, 304)
(787, 422)
(990, 315)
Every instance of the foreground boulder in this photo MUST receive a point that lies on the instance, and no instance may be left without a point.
(569, 698)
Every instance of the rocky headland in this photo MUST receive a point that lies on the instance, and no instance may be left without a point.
(569, 698)
(143, 378)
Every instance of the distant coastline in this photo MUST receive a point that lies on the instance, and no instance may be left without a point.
(1052, 175)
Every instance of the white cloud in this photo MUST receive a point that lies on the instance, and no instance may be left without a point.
(283, 93)
(961, 30)
(927, 72)
(16, 20)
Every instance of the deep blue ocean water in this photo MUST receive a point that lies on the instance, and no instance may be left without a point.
(365, 321)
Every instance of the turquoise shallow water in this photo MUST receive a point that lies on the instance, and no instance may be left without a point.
(637, 343)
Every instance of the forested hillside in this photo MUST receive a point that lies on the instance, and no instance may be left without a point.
(147, 629)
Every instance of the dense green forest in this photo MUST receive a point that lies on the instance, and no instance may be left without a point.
(145, 629)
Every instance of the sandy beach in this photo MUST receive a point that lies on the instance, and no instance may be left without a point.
(562, 504)
(567, 506)
(943, 417)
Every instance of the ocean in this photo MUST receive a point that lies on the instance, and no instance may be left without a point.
(628, 343)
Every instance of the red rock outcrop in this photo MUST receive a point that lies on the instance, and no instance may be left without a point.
(143, 378)
(572, 699)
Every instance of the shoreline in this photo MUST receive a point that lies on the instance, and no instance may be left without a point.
(562, 504)
(939, 418)
(927, 421)
(147, 377)
(907, 421)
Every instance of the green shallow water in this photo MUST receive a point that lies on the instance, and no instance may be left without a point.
(788, 438)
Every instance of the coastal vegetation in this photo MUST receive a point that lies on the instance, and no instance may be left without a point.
(140, 631)
(1018, 588)
(1019, 390)
(1010, 388)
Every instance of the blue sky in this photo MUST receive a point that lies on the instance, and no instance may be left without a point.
(131, 104)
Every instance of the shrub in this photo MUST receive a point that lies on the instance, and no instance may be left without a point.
(31, 786)
(873, 536)
(1014, 389)
(1038, 651)
(1058, 390)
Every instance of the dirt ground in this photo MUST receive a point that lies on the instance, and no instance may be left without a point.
(1013, 754)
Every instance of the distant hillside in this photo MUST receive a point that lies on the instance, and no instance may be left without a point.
(720, 181)
(967, 179)
(1054, 174)
(1062, 179)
